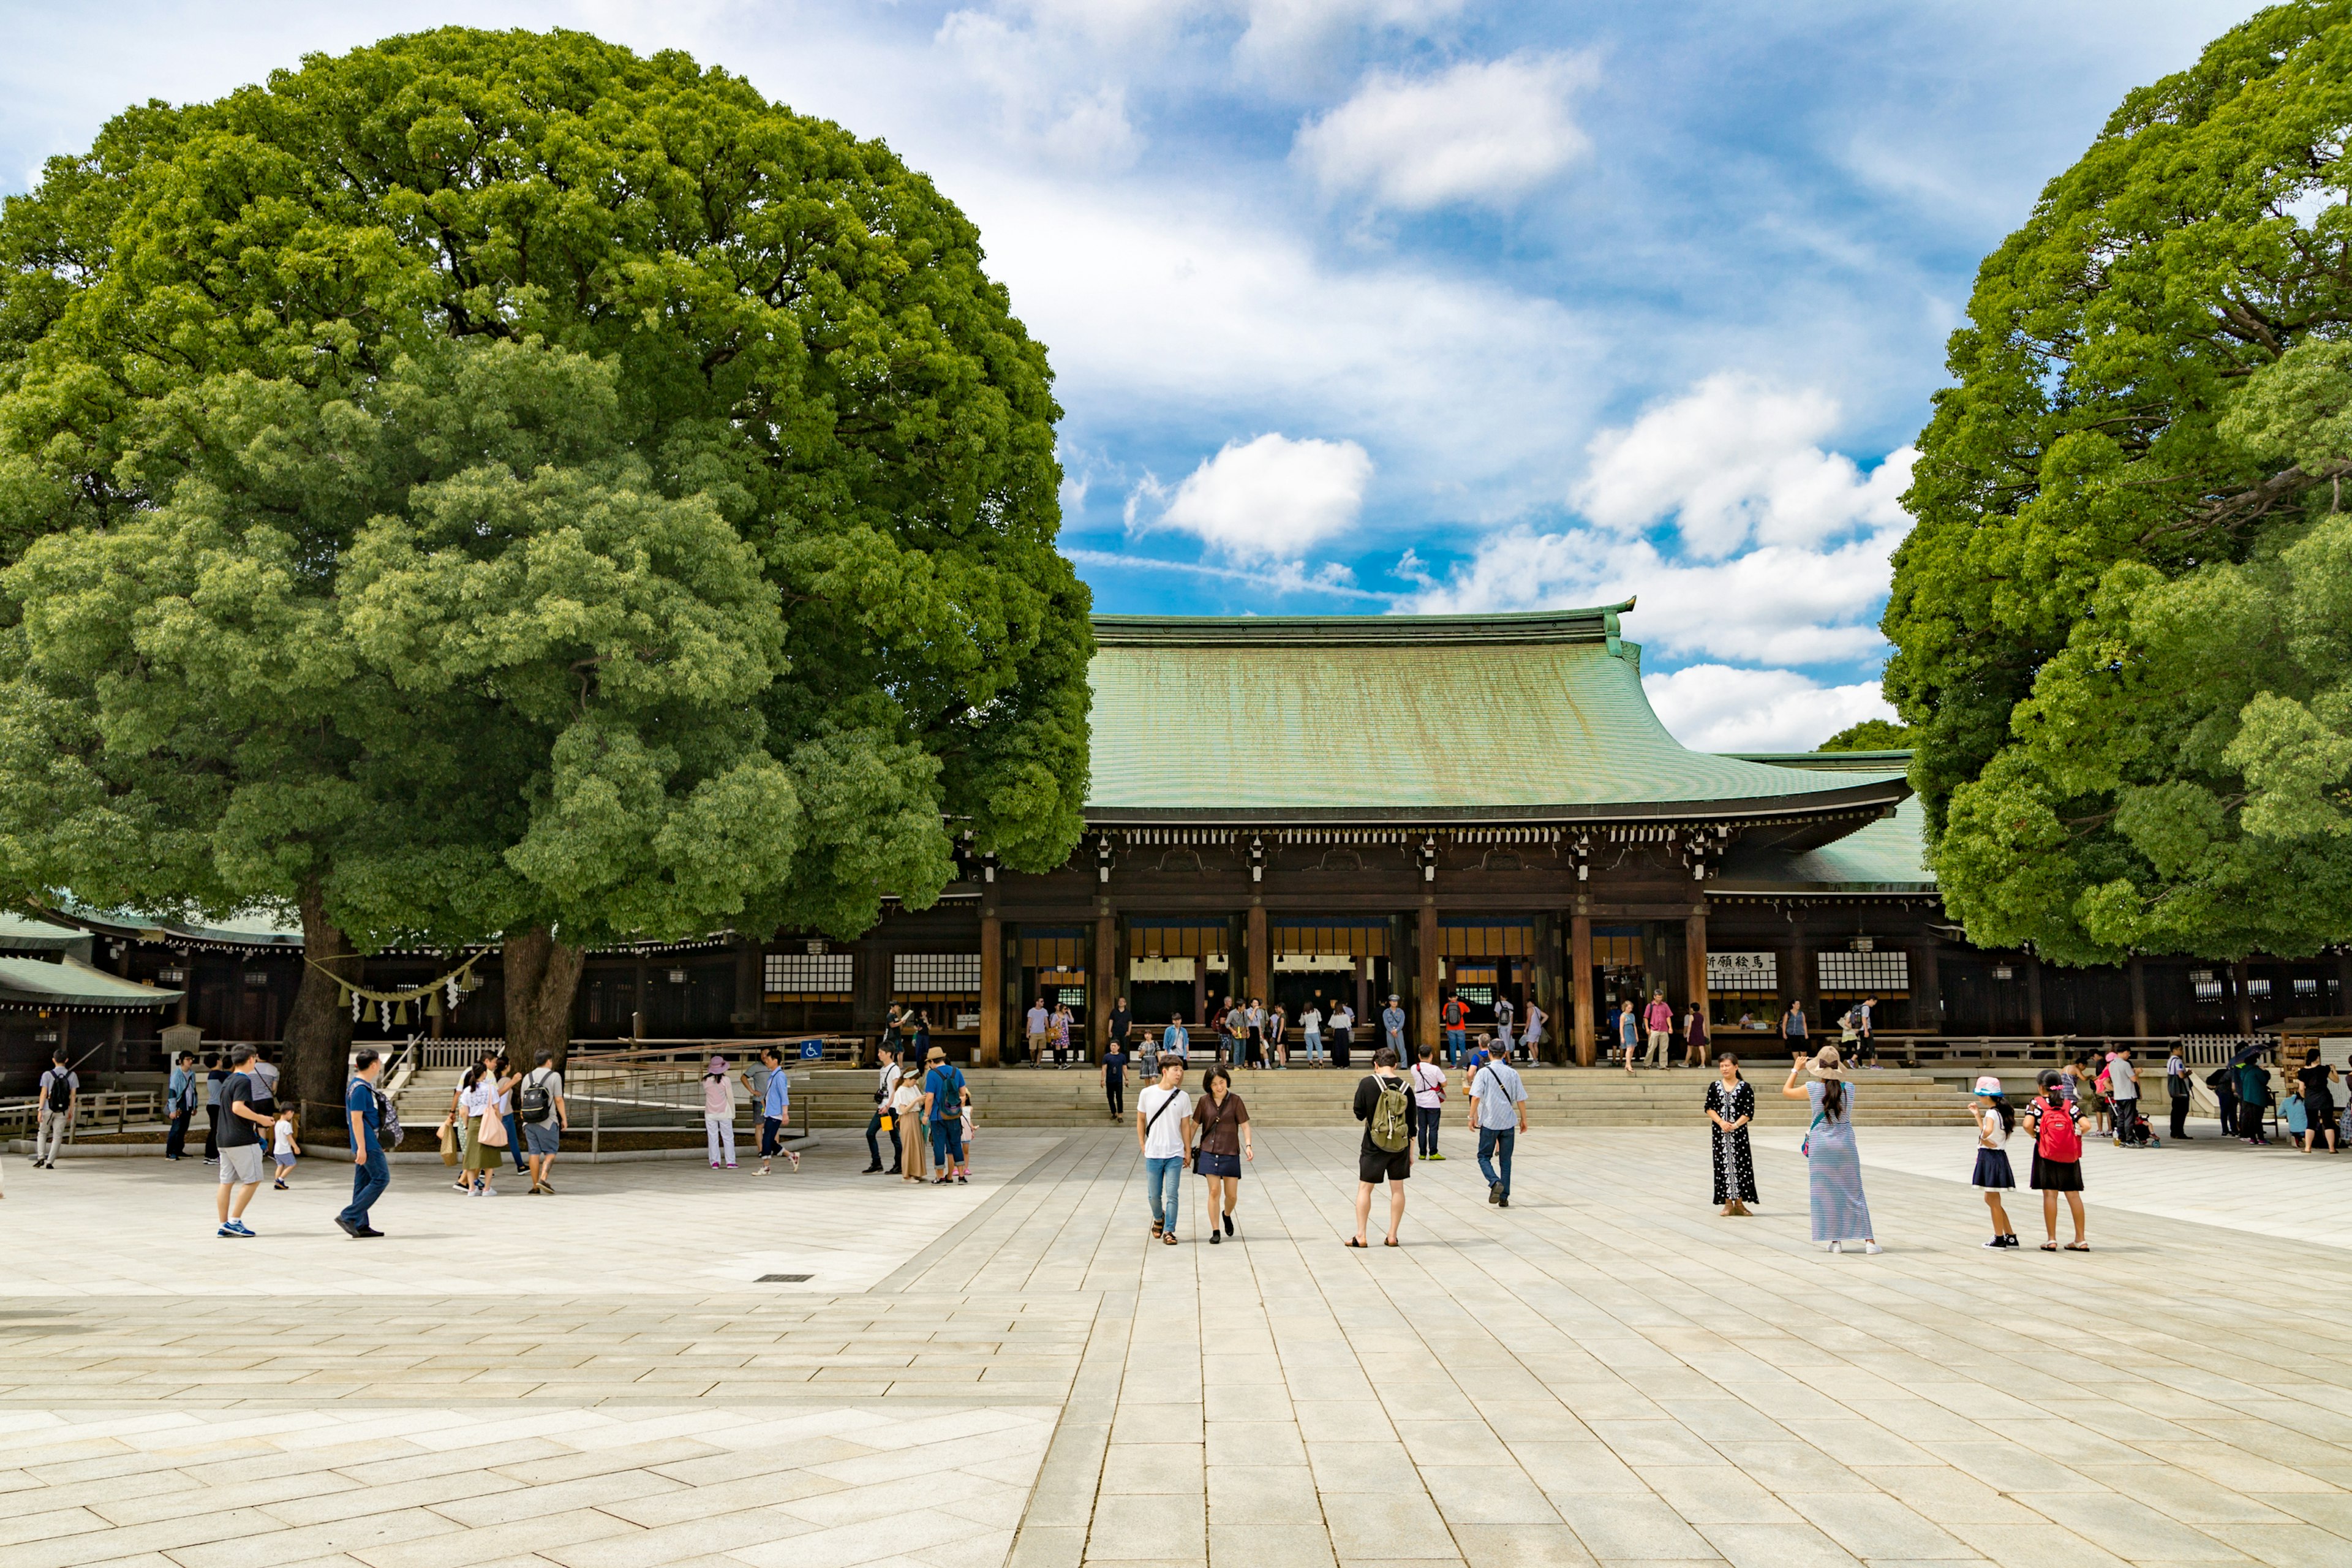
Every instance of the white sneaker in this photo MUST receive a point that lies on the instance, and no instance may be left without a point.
(1872, 1249)
(1837, 1246)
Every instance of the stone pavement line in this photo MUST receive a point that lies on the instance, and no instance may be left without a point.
(1605, 1373)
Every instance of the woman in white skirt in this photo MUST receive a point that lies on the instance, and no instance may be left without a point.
(1995, 1122)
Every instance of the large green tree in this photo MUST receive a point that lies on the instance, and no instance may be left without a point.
(2139, 427)
(799, 340)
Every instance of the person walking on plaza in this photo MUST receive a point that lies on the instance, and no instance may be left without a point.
(1454, 1018)
(1995, 1121)
(944, 1093)
(1114, 1078)
(1695, 1040)
(2057, 1159)
(2175, 1091)
(1833, 1163)
(215, 1074)
(1428, 1103)
(1343, 1034)
(1116, 1038)
(1175, 1040)
(1310, 1026)
(1629, 1033)
(2123, 1093)
(476, 1094)
(1219, 1147)
(1384, 1105)
(1039, 1028)
(284, 1149)
(510, 1076)
(719, 1113)
(240, 1145)
(546, 1117)
(265, 1082)
(370, 1173)
(775, 1110)
(1531, 1042)
(180, 1104)
(56, 1099)
(1792, 1027)
(1061, 1042)
(914, 1137)
(1504, 1015)
(1498, 1109)
(1659, 1021)
(1730, 1107)
(884, 1118)
(1163, 1135)
(1392, 1028)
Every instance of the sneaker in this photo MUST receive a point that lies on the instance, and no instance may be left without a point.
(280, 1187)
(1493, 1192)
(1437, 1156)
(871, 1171)
(730, 1164)
(465, 1187)
(794, 1158)
(1872, 1249)
(1229, 1225)
(1998, 1241)
(238, 1225)
(762, 1171)
(714, 1164)
(488, 1192)
(347, 1227)
(1503, 1202)
(1837, 1246)
(1215, 1239)
(963, 1181)
(229, 1232)
(369, 1232)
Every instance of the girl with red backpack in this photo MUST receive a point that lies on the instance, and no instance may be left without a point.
(2057, 1160)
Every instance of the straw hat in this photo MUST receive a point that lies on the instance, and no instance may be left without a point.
(937, 1056)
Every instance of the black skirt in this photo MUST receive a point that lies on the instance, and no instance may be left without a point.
(2056, 1175)
(1994, 1172)
(1207, 1164)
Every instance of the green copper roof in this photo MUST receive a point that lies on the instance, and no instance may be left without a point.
(25, 933)
(73, 985)
(1885, 855)
(1402, 718)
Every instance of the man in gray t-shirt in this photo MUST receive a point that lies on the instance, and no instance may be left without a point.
(1498, 1109)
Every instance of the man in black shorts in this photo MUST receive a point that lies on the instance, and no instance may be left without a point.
(1384, 1105)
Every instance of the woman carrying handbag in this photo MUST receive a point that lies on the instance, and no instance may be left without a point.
(1223, 1146)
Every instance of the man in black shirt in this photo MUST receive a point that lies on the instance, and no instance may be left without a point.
(1376, 1163)
(241, 1128)
(1119, 1024)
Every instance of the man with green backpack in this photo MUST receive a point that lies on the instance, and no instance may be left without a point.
(1384, 1105)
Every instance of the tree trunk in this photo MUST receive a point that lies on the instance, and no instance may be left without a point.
(541, 976)
(317, 1044)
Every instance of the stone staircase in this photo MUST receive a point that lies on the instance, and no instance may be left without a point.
(1556, 1097)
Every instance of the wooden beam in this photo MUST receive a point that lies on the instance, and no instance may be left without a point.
(1694, 957)
(1261, 964)
(1425, 961)
(1105, 978)
(992, 991)
(1580, 980)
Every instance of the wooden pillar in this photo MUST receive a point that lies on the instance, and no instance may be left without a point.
(2238, 976)
(638, 1012)
(1105, 979)
(1199, 993)
(992, 991)
(1363, 1003)
(1695, 958)
(2139, 997)
(1426, 967)
(1261, 966)
(1927, 989)
(1579, 984)
(1804, 979)
(2033, 995)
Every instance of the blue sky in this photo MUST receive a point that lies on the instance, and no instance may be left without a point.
(1377, 306)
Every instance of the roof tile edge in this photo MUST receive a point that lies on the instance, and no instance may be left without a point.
(1596, 625)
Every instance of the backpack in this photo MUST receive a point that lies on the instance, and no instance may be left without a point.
(1391, 1126)
(536, 1104)
(2058, 1139)
(60, 1090)
(388, 1120)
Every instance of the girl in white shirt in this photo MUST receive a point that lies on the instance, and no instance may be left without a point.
(1995, 1121)
(283, 1149)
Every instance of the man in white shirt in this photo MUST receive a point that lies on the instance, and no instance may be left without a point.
(2123, 1088)
(1498, 1109)
(1164, 1132)
(55, 1099)
(886, 1081)
(1040, 1023)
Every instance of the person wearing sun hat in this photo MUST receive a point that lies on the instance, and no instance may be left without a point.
(719, 1113)
(1995, 1121)
(1833, 1163)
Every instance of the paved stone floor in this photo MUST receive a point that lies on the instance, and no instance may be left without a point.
(1607, 1372)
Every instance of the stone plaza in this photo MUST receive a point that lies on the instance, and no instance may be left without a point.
(1607, 1372)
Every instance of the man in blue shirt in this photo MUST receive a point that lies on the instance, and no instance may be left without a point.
(180, 1105)
(775, 1111)
(943, 1095)
(1392, 1027)
(370, 1173)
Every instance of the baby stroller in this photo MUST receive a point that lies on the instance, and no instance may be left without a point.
(2132, 1132)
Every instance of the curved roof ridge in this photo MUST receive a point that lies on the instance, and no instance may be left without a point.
(1596, 624)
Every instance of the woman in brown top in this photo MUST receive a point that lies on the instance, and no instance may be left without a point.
(1223, 1145)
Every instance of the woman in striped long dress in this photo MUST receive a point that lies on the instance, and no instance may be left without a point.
(1833, 1166)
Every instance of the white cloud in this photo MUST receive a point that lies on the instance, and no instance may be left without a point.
(1714, 708)
(1267, 498)
(1736, 461)
(1285, 33)
(1042, 78)
(1279, 578)
(1480, 132)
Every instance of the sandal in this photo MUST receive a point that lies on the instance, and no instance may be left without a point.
(1168, 1236)
(2078, 1246)
(1391, 1241)
(1353, 1242)
(2049, 1247)
(1155, 1229)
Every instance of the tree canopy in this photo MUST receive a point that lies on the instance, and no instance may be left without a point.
(490, 480)
(1868, 735)
(2128, 522)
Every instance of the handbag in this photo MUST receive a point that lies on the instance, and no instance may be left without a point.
(494, 1128)
(450, 1148)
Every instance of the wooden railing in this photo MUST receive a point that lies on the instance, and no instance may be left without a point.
(112, 1109)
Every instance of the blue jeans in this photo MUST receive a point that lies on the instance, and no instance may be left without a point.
(1425, 1120)
(514, 1144)
(947, 1138)
(1314, 1045)
(1456, 1042)
(1493, 1141)
(368, 1182)
(1163, 1180)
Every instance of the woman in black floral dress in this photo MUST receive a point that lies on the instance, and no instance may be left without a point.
(1730, 1107)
